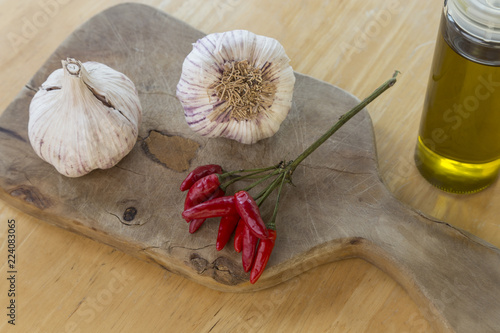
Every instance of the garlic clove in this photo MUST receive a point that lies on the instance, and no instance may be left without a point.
(84, 117)
(236, 85)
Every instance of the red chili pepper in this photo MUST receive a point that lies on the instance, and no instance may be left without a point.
(226, 227)
(238, 236)
(198, 173)
(195, 224)
(249, 248)
(249, 212)
(218, 193)
(264, 250)
(202, 190)
(211, 208)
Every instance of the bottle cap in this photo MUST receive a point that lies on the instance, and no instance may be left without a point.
(479, 18)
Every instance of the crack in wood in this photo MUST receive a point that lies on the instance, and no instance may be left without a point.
(467, 235)
(128, 170)
(128, 224)
(156, 92)
(12, 134)
(210, 330)
(77, 307)
(334, 169)
(27, 86)
(188, 248)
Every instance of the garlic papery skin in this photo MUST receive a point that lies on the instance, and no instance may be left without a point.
(237, 85)
(84, 117)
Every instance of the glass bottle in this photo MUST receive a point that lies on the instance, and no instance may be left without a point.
(458, 148)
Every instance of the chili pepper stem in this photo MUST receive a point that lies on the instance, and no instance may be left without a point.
(342, 120)
(272, 223)
(287, 171)
(262, 196)
(230, 173)
(234, 180)
(251, 186)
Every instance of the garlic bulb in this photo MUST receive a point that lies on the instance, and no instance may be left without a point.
(84, 117)
(236, 85)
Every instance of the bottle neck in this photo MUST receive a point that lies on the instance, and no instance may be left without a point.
(468, 43)
(479, 18)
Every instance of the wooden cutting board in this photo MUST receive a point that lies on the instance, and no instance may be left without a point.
(338, 209)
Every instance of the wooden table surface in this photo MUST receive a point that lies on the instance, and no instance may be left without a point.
(68, 283)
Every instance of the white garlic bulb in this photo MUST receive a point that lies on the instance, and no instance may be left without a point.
(236, 85)
(84, 117)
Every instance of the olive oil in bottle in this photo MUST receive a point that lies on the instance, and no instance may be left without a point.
(458, 148)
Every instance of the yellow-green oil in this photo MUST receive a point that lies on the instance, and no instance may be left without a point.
(458, 147)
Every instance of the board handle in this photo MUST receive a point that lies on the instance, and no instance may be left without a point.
(452, 275)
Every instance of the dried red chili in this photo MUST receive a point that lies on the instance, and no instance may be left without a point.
(248, 248)
(217, 194)
(249, 212)
(202, 190)
(264, 250)
(238, 236)
(211, 208)
(195, 224)
(226, 227)
(198, 173)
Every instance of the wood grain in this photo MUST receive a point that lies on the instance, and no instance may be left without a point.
(352, 286)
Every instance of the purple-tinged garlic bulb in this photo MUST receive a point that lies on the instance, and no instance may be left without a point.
(236, 85)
